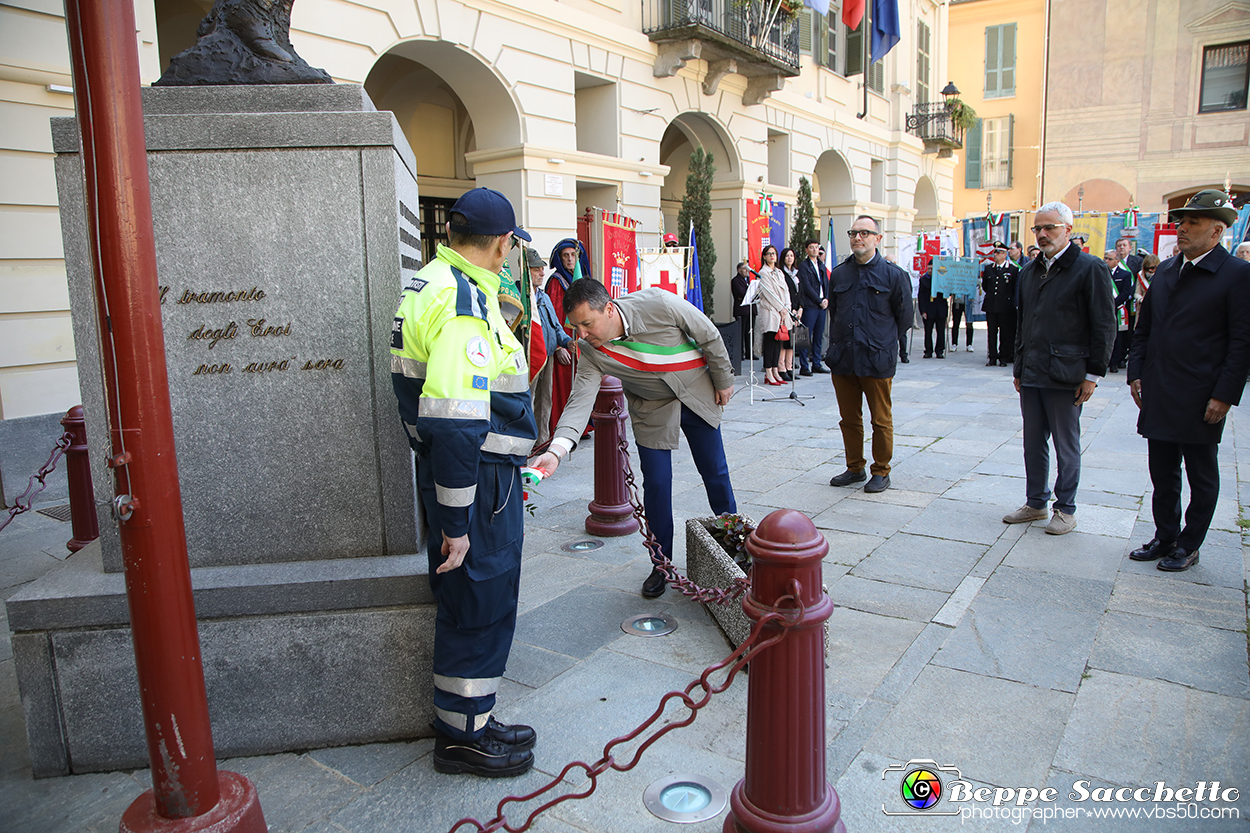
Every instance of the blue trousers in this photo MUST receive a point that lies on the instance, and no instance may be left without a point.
(814, 321)
(708, 451)
(1051, 414)
(477, 602)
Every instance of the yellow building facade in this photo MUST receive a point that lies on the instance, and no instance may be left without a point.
(997, 60)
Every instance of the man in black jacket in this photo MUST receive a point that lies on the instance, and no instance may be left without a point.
(998, 282)
(933, 309)
(744, 313)
(814, 294)
(1187, 366)
(1065, 326)
(870, 301)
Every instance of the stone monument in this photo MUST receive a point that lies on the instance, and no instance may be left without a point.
(285, 220)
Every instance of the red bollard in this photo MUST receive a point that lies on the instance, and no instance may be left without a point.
(610, 512)
(81, 492)
(785, 788)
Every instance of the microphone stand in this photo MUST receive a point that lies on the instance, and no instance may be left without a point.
(754, 300)
(793, 397)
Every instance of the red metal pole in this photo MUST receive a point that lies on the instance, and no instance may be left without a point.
(610, 512)
(188, 792)
(81, 493)
(785, 789)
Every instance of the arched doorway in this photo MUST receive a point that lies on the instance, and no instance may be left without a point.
(449, 104)
(833, 193)
(683, 135)
(926, 204)
(1098, 195)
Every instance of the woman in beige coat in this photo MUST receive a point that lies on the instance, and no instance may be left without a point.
(774, 313)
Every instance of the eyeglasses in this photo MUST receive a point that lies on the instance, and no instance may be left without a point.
(1048, 228)
(861, 232)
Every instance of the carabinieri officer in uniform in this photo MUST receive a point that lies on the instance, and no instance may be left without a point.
(463, 388)
(676, 374)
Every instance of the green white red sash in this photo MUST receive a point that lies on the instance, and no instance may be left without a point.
(654, 357)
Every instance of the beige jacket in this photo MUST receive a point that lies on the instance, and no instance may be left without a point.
(660, 318)
(774, 304)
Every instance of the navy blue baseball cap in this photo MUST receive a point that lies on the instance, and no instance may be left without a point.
(487, 212)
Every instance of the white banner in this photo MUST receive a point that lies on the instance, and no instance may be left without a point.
(663, 268)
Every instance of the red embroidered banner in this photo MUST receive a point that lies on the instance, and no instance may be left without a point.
(758, 230)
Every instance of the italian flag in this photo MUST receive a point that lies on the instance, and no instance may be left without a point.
(654, 357)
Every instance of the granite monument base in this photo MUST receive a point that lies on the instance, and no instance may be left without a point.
(297, 655)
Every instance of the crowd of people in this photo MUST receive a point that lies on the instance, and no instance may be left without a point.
(1061, 318)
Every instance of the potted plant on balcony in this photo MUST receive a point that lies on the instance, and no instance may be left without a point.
(962, 115)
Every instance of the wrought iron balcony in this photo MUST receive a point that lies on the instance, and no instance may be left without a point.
(934, 123)
(719, 32)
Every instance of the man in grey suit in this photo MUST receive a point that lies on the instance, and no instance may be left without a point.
(1065, 325)
(677, 378)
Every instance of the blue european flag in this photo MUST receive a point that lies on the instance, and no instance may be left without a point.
(479, 383)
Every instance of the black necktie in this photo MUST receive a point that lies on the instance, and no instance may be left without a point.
(1186, 269)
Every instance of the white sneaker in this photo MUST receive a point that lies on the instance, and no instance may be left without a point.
(1061, 524)
(969, 348)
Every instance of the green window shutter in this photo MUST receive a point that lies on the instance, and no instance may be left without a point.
(992, 36)
(877, 76)
(805, 35)
(972, 152)
(1007, 61)
(831, 39)
(1011, 146)
(855, 49)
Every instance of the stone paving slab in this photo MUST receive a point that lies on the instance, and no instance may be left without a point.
(954, 520)
(1185, 602)
(862, 648)
(1133, 731)
(1205, 658)
(994, 730)
(886, 598)
(865, 516)
(1038, 644)
(1079, 594)
(1078, 553)
(920, 561)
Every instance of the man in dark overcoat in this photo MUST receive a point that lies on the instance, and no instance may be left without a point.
(998, 282)
(1186, 368)
(814, 293)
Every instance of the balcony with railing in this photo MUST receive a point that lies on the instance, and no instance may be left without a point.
(721, 33)
(934, 123)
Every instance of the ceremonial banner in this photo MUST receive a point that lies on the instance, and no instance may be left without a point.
(1146, 231)
(777, 227)
(757, 232)
(1165, 239)
(1094, 227)
(613, 251)
(979, 235)
(1239, 227)
(664, 269)
(955, 277)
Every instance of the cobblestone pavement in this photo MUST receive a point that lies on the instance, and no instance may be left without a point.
(1024, 660)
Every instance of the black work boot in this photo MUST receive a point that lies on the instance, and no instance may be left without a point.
(518, 736)
(485, 756)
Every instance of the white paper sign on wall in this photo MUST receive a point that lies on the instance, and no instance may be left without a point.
(555, 185)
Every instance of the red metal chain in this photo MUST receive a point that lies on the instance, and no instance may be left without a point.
(782, 616)
(706, 595)
(58, 451)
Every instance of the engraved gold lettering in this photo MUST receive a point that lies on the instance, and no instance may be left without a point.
(259, 329)
(268, 367)
(323, 364)
(217, 297)
(164, 292)
(213, 336)
(212, 369)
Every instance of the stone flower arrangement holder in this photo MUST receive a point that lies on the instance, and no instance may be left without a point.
(710, 564)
